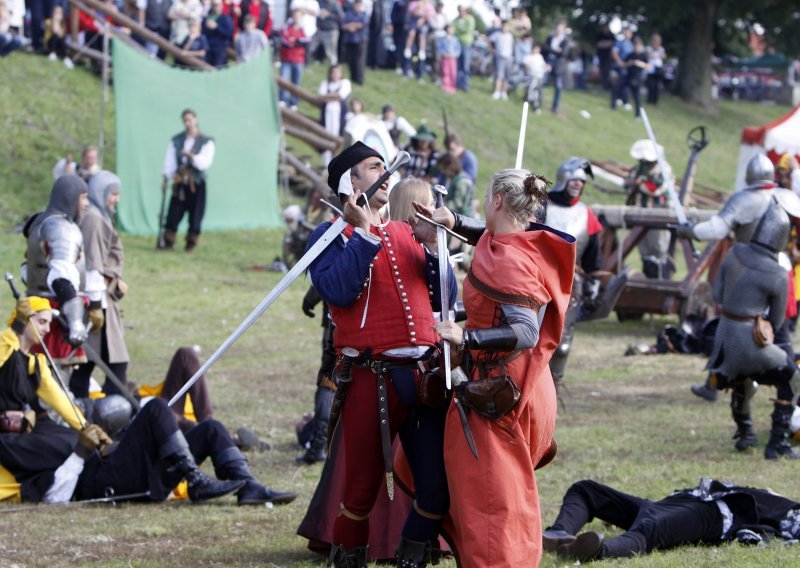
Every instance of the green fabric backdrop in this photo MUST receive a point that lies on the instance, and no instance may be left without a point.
(236, 106)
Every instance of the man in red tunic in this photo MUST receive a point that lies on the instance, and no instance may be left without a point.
(380, 280)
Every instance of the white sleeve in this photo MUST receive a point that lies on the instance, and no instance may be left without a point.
(63, 269)
(95, 286)
(346, 89)
(404, 126)
(796, 181)
(203, 159)
(170, 167)
(66, 478)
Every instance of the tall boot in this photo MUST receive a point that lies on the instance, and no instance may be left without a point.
(413, 554)
(745, 436)
(342, 558)
(317, 450)
(191, 241)
(169, 239)
(706, 391)
(181, 465)
(778, 445)
(230, 463)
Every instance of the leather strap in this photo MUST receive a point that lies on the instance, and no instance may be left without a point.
(502, 297)
(386, 436)
(727, 315)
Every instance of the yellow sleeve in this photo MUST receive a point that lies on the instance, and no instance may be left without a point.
(9, 342)
(51, 393)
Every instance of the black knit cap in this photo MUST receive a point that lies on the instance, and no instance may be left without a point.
(348, 158)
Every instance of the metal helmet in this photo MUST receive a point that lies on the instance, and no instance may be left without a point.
(572, 168)
(773, 229)
(112, 413)
(759, 170)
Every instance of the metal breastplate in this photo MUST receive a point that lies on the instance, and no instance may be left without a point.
(571, 220)
(56, 238)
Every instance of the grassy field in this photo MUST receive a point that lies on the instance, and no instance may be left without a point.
(629, 422)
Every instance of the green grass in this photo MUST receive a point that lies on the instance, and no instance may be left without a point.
(629, 422)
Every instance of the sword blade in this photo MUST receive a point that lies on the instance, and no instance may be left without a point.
(465, 426)
(95, 358)
(322, 243)
(673, 197)
(444, 296)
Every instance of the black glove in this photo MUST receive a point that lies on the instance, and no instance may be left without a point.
(682, 230)
(310, 300)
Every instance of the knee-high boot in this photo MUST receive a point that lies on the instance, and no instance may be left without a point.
(230, 463)
(745, 436)
(778, 445)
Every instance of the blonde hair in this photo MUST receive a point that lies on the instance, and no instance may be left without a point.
(408, 190)
(523, 193)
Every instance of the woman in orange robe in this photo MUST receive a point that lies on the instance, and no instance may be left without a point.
(515, 296)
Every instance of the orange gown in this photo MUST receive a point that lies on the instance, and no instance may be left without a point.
(494, 500)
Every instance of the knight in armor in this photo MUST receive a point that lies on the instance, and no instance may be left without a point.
(104, 285)
(55, 265)
(751, 283)
(647, 187)
(188, 157)
(740, 215)
(381, 284)
(567, 213)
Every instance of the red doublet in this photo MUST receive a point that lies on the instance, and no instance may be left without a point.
(395, 297)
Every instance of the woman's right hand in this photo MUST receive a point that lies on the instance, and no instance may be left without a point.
(450, 331)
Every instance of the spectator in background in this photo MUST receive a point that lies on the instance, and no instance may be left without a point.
(397, 23)
(293, 55)
(8, 41)
(55, 37)
(218, 29)
(449, 48)
(424, 155)
(556, 46)
(619, 53)
(85, 170)
(460, 189)
(635, 67)
(251, 41)
(376, 47)
(334, 91)
(396, 125)
(469, 162)
(418, 20)
(157, 21)
(535, 70)
(195, 44)
(464, 30)
(503, 42)
(260, 11)
(182, 14)
(309, 10)
(354, 38)
(604, 41)
(438, 26)
(15, 10)
(656, 55)
(38, 14)
(520, 23)
(329, 21)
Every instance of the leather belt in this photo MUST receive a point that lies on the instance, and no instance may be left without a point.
(734, 317)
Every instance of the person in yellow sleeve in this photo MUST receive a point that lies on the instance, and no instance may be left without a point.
(56, 464)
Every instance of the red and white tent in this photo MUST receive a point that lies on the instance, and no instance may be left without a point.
(775, 139)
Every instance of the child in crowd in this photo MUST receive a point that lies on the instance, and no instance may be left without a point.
(251, 41)
(448, 49)
(535, 68)
(54, 35)
(503, 42)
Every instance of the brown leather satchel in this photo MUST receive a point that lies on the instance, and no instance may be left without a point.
(17, 421)
(492, 397)
(763, 334)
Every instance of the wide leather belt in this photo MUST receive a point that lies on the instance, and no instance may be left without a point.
(734, 317)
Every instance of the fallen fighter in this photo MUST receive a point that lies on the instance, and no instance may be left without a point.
(712, 513)
(56, 464)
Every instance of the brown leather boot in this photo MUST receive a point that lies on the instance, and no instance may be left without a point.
(168, 242)
(191, 241)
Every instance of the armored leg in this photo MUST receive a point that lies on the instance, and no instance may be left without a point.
(745, 436)
(708, 390)
(558, 363)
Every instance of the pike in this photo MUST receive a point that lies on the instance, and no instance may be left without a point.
(311, 254)
(439, 192)
(113, 499)
(53, 366)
